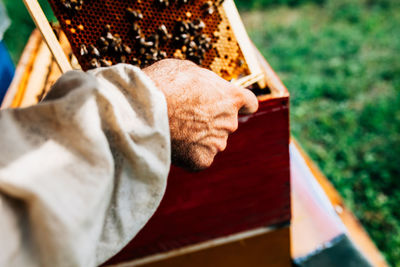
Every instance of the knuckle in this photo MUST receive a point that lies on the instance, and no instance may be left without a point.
(222, 147)
(202, 159)
(233, 126)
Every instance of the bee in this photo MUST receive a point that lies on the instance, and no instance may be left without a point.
(127, 49)
(220, 2)
(103, 42)
(94, 51)
(134, 15)
(83, 50)
(107, 28)
(136, 31)
(122, 59)
(135, 61)
(162, 54)
(72, 5)
(209, 11)
(161, 3)
(163, 34)
(105, 62)
(94, 63)
(182, 2)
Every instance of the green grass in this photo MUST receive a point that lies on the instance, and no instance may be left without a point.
(256, 4)
(340, 60)
(341, 63)
(21, 27)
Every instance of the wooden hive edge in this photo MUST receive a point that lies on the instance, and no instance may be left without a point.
(355, 230)
(16, 90)
(274, 83)
(188, 254)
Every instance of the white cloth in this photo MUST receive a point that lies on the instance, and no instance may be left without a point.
(82, 173)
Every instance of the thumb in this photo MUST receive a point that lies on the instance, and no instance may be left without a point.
(249, 103)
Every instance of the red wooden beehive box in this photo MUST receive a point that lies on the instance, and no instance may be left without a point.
(247, 187)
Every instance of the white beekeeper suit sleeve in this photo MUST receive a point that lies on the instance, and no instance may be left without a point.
(82, 173)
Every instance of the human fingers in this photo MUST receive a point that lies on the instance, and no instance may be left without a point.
(206, 151)
(193, 157)
(248, 102)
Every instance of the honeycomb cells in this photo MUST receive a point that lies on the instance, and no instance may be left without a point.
(136, 22)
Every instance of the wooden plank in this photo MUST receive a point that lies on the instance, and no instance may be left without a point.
(243, 39)
(249, 80)
(355, 230)
(36, 72)
(38, 77)
(257, 248)
(55, 71)
(47, 32)
(314, 221)
(274, 83)
(52, 77)
(17, 88)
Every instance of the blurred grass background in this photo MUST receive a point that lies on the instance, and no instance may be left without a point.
(21, 25)
(340, 60)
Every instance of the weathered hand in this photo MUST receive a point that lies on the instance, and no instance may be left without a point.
(202, 109)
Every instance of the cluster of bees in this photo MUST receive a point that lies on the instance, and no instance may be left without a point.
(166, 3)
(192, 42)
(186, 37)
(108, 44)
(72, 5)
(208, 7)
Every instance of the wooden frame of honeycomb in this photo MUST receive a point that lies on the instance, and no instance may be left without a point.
(229, 51)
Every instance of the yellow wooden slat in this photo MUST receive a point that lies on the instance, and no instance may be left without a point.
(47, 32)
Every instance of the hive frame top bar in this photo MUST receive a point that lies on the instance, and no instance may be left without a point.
(245, 44)
(50, 38)
(228, 6)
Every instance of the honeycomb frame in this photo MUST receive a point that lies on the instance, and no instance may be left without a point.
(86, 26)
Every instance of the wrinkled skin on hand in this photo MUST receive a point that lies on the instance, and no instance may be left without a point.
(202, 110)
